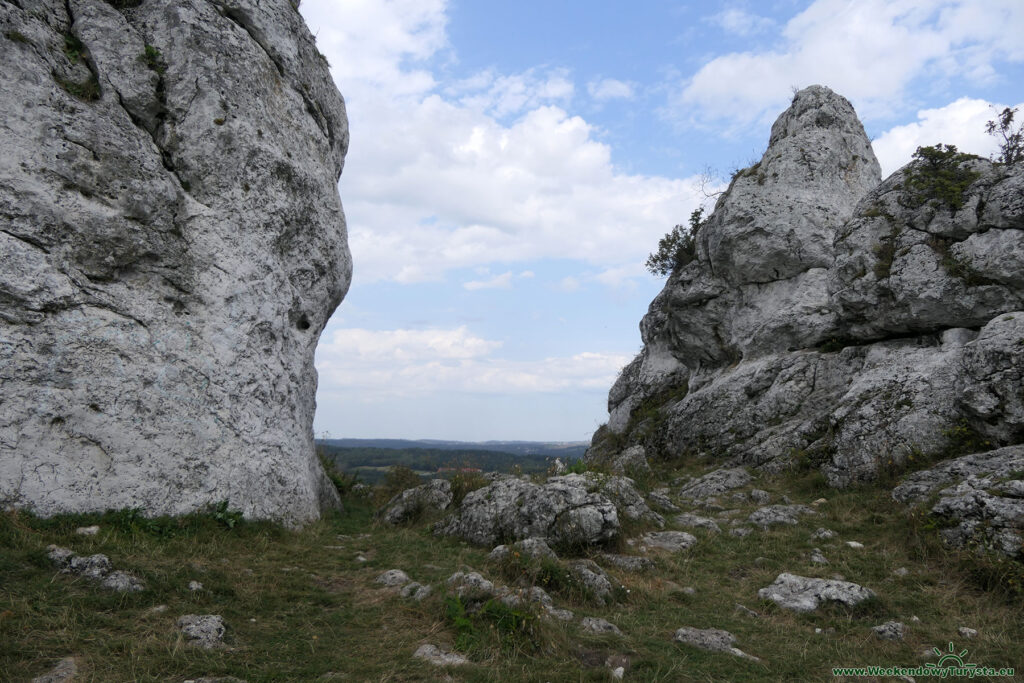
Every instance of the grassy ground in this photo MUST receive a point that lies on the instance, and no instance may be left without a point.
(300, 606)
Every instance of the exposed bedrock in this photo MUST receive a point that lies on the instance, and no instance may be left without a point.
(833, 319)
(172, 244)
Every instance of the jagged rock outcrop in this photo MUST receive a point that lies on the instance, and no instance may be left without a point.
(172, 244)
(835, 319)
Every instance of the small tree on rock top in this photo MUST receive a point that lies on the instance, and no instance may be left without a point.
(677, 248)
(1011, 149)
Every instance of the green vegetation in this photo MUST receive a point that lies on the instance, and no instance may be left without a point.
(1011, 145)
(956, 267)
(939, 177)
(16, 36)
(152, 58)
(74, 50)
(885, 254)
(87, 90)
(299, 606)
(677, 248)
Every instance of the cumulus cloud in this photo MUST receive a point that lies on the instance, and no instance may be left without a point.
(491, 169)
(418, 362)
(609, 89)
(870, 51)
(960, 123)
(740, 22)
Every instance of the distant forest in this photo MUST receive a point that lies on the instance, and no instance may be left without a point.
(371, 464)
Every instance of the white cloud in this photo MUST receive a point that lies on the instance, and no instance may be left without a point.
(490, 169)
(960, 123)
(870, 51)
(417, 362)
(609, 88)
(503, 281)
(740, 22)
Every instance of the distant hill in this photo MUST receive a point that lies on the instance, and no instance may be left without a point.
(372, 458)
(572, 450)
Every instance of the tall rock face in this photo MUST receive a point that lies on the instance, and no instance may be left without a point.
(172, 244)
(833, 319)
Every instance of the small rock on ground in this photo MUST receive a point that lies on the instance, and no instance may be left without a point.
(673, 541)
(696, 521)
(471, 585)
(393, 577)
(203, 630)
(87, 530)
(745, 611)
(771, 515)
(66, 670)
(596, 625)
(195, 586)
(967, 632)
(629, 563)
(803, 594)
(823, 534)
(817, 557)
(439, 657)
(711, 639)
(890, 630)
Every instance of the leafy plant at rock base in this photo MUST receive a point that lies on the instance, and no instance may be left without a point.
(514, 629)
(677, 248)
(939, 176)
(1011, 149)
(152, 58)
(224, 516)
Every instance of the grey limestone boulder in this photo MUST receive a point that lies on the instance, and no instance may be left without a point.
(711, 639)
(65, 671)
(593, 579)
(981, 496)
(715, 483)
(802, 594)
(831, 319)
(672, 541)
(393, 578)
(565, 510)
(171, 246)
(772, 515)
(529, 548)
(890, 630)
(599, 626)
(203, 630)
(95, 568)
(407, 505)
(438, 657)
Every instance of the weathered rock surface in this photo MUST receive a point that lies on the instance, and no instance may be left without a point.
(171, 246)
(832, 318)
(438, 657)
(890, 630)
(715, 483)
(772, 515)
(203, 630)
(65, 671)
(593, 579)
(95, 568)
(711, 639)
(981, 497)
(436, 494)
(599, 626)
(530, 548)
(564, 510)
(802, 594)
(672, 541)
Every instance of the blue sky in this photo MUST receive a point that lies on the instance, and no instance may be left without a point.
(513, 164)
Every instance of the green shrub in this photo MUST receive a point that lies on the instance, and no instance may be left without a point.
(464, 483)
(677, 248)
(398, 479)
(492, 624)
(1011, 146)
(939, 177)
(152, 58)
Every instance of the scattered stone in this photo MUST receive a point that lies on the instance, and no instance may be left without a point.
(711, 639)
(596, 625)
(715, 483)
(803, 594)
(565, 509)
(65, 671)
(741, 531)
(696, 521)
(902, 571)
(659, 498)
(855, 545)
(527, 596)
(95, 568)
(820, 501)
(122, 582)
(778, 514)
(471, 585)
(360, 558)
(560, 614)
(817, 557)
(195, 586)
(618, 664)
(745, 611)
(823, 534)
(203, 630)
(629, 563)
(618, 673)
(411, 503)
(785, 500)
(890, 630)
(87, 530)
(532, 548)
(965, 632)
(393, 577)
(915, 619)
(438, 657)
(690, 590)
(672, 541)
(593, 578)
(760, 496)
(156, 609)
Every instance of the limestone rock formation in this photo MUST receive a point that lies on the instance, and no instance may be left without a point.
(834, 320)
(172, 244)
